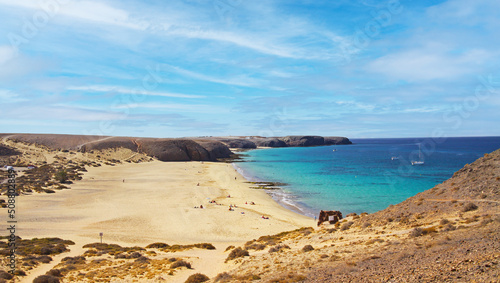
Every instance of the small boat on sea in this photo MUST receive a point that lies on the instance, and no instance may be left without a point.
(395, 158)
(419, 161)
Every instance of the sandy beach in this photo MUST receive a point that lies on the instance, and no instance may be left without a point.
(138, 204)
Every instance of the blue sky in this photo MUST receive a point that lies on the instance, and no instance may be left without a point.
(230, 67)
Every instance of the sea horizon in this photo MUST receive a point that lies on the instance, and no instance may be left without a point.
(373, 192)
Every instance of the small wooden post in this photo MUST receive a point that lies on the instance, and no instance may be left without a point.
(100, 234)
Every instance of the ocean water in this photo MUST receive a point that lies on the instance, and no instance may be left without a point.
(361, 177)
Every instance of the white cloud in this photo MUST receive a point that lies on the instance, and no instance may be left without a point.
(84, 10)
(137, 91)
(7, 96)
(428, 64)
(235, 80)
(197, 108)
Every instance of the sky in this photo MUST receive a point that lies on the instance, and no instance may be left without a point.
(184, 68)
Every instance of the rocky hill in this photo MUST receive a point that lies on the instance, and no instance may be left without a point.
(162, 149)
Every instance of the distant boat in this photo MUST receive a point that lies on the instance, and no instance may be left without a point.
(395, 158)
(419, 161)
(334, 150)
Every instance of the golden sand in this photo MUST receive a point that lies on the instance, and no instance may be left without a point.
(138, 204)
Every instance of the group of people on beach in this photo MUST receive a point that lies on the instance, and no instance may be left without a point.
(231, 206)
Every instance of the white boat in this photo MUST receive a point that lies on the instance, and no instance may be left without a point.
(419, 161)
(395, 158)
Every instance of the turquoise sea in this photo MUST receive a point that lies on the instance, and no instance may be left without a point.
(362, 177)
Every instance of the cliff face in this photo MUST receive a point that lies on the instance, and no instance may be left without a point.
(292, 141)
(270, 142)
(337, 140)
(304, 140)
(239, 143)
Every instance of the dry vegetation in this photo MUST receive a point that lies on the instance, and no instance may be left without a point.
(32, 253)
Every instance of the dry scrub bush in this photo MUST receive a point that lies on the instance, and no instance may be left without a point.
(229, 248)
(288, 278)
(236, 253)
(444, 221)
(223, 277)
(416, 232)
(255, 246)
(180, 263)
(346, 226)
(278, 248)
(448, 227)
(307, 248)
(54, 272)
(5, 275)
(46, 279)
(196, 278)
(373, 241)
(366, 225)
(469, 207)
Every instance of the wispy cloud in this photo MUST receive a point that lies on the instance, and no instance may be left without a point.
(137, 91)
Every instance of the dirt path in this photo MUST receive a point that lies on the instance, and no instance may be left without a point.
(463, 200)
(75, 250)
(103, 139)
(6, 138)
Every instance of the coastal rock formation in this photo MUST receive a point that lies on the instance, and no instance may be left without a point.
(239, 143)
(337, 140)
(174, 150)
(304, 140)
(269, 142)
(215, 149)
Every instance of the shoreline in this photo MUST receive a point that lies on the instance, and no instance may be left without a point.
(279, 195)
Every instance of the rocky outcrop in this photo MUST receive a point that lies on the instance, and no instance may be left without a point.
(239, 143)
(216, 150)
(174, 150)
(337, 140)
(269, 142)
(288, 141)
(304, 140)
